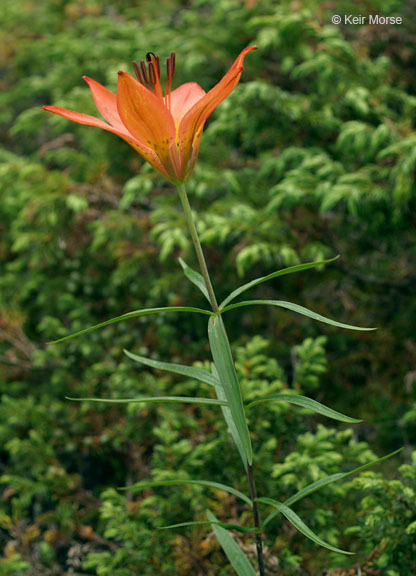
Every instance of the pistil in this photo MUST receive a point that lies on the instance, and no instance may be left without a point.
(153, 64)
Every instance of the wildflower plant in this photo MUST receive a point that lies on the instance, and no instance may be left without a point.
(165, 128)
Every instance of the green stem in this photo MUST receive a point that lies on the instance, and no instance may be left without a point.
(256, 516)
(197, 244)
(203, 266)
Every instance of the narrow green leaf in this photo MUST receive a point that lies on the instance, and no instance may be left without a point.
(283, 272)
(235, 555)
(328, 480)
(219, 390)
(299, 524)
(160, 399)
(225, 525)
(298, 309)
(224, 364)
(308, 403)
(334, 477)
(188, 371)
(195, 277)
(214, 485)
(134, 314)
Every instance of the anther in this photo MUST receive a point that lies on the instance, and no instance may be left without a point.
(173, 60)
(144, 73)
(167, 70)
(137, 72)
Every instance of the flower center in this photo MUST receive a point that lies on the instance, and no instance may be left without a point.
(150, 76)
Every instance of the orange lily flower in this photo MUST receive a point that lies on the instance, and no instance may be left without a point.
(165, 129)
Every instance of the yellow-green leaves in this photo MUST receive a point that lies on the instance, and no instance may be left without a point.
(179, 482)
(283, 272)
(225, 525)
(308, 403)
(235, 555)
(224, 364)
(157, 399)
(195, 277)
(134, 314)
(310, 488)
(298, 309)
(188, 371)
(229, 418)
(299, 524)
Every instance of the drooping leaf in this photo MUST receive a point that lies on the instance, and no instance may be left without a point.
(221, 353)
(308, 403)
(225, 525)
(328, 480)
(188, 371)
(214, 485)
(134, 314)
(283, 272)
(299, 524)
(159, 399)
(195, 277)
(298, 309)
(235, 555)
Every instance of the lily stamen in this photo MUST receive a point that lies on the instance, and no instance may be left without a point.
(168, 84)
(170, 71)
(144, 74)
(138, 73)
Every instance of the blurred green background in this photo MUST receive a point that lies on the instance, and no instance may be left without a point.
(313, 155)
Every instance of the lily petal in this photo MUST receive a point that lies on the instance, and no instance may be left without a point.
(195, 150)
(183, 98)
(147, 153)
(81, 118)
(106, 103)
(146, 118)
(198, 114)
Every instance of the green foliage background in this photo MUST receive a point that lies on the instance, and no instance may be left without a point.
(313, 155)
